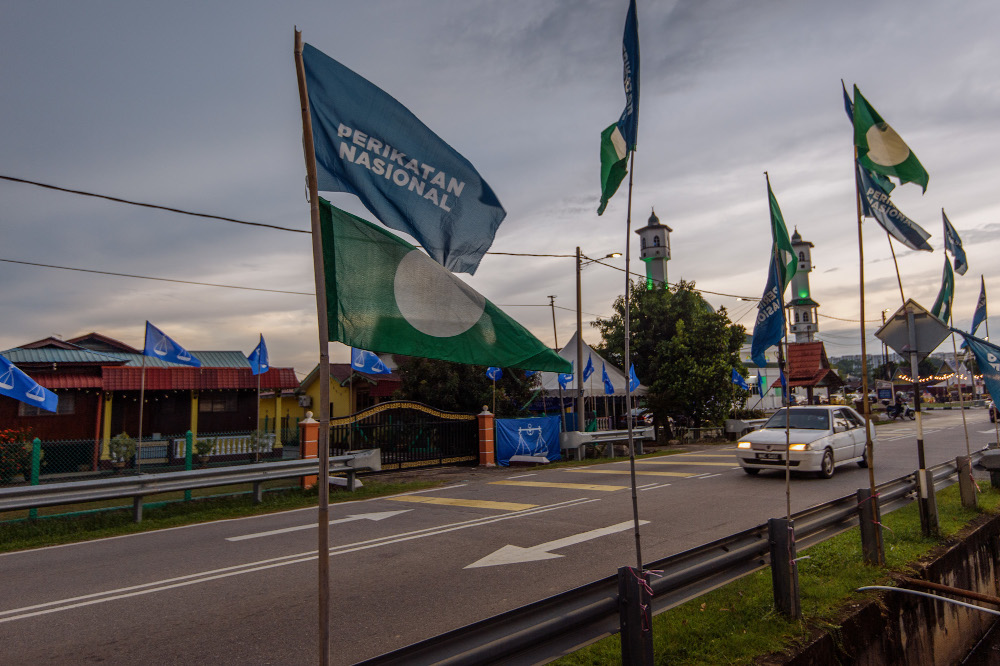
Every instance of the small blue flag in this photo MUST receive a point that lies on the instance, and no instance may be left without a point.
(368, 362)
(770, 325)
(760, 384)
(159, 345)
(953, 244)
(15, 384)
(739, 381)
(259, 363)
(494, 373)
(784, 382)
(589, 369)
(987, 360)
(565, 378)
(370, 145)
(609, 388)
(633, 381)
(980, 315)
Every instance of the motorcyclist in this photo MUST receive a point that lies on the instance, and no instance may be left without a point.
(897, 409)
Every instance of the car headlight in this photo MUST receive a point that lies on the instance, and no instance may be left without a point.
(799, 447)
(743, 445)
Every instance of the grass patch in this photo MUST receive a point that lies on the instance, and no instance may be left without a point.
(737, 624)
(98, 525)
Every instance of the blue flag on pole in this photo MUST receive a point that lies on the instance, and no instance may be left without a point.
(875, 203)
(953, 244)
(494, 373)
(259, 363)
(760, 384)
(15, 384)
(530, 373)
(609, 388)
(589, 369)
(633, 381)
(784, 383)
(370, 145)
(987, 359)
(628, 124)
(739, 381)
(770, 325)
(368, 362)
(159, 345)
(565, 378)
(980, 315)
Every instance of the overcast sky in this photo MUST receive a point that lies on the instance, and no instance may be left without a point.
(195, 106)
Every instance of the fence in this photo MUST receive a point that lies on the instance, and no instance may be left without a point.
(409, 434)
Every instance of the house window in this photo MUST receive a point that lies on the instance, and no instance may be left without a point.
(656, 241)
(802, 256)
(805, 317)
(217, 403)
(796, 317)
(67, 405)
(642, 243)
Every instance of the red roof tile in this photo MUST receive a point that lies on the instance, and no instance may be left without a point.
(165, 379)
(69, 380)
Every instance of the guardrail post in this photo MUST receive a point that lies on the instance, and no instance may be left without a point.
(309, 445)
(784, 571)
(870, 520)
(36, 468)
(966, 486)
(137, 509)
(927, 501)
(635, 614)
(188, 445)
(487, 452)
(258, 492)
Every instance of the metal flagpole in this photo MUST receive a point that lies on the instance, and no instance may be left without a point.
(626, 364)
(555, 339)
(142, 401)
(258, 440)
(323, 517)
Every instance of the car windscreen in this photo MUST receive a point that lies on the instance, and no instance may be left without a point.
(803, 419)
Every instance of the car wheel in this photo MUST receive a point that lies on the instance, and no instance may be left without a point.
(752, 471)
(863, 463)
(826, 467)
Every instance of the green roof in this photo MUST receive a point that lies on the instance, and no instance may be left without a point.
(209, 359)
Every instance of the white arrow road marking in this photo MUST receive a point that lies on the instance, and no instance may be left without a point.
(349, 519)
(515, 554)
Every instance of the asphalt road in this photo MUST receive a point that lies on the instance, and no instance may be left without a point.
(406, 567)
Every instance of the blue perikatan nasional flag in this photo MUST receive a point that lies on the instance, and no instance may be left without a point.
(784, 382)
(987, 360)
(15, 384)
(875, 203)
(739, 381)
(633, 381)
(565, 378)
(494, 373)
(588, 370)
(953, 244)
(159, 345)
(370, 145)
(259, 363)
(980, 315)
(368, 362)
(609, 388)
(770, 325)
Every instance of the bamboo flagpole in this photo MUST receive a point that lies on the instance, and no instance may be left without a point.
(626, 365)
(323, 445)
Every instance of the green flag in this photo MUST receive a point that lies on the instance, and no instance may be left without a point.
(880, 149)
(384, 295)
(942, 305)
(788, 263)
(614, 155)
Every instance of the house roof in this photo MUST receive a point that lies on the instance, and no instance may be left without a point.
(187, 378)
(97, 342)
(50, 355)
(69, 380)
(341, 373)
(809, 366)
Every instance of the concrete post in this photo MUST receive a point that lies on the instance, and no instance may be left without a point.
(966, 485)
(487, 450)
(188, 447)
(308, 444)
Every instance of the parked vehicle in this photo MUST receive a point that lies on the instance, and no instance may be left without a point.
(819, 440)
(894, 411)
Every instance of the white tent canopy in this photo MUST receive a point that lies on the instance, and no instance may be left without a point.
(594, 386)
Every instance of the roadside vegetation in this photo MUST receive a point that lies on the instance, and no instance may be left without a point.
(737, 624)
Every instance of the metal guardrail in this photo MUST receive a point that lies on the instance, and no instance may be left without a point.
(138, 486)
(562, 623)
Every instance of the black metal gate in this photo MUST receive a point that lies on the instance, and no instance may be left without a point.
(410, 434)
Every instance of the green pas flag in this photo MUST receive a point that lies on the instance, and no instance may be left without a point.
(614, 154)
(788, 263)
(384, 295)
(942, 306)
(880, 149)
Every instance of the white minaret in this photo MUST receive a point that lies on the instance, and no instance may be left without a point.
(801, 307)
(654, 249)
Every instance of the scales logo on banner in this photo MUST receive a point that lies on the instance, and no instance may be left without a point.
(535, 437)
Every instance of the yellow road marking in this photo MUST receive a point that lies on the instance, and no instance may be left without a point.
(475, 504)
(625, 471)
(547, 484)
(688, 462)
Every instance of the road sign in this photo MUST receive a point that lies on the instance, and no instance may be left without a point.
(928, 331)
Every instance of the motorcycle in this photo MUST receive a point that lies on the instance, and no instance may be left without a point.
(894, 412)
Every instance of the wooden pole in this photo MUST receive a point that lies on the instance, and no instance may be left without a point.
(323, 517)
(142, 401)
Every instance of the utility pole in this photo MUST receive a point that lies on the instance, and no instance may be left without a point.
(555, 338)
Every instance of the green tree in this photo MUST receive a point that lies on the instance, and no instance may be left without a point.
(457, 387)
(683, 350)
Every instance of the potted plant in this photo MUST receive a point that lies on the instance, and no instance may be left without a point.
(203, 450)
(121, 450)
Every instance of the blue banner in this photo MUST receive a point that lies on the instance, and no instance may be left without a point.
(770, 325)
(368, 362)
(739, 381)
(953, 244)
(259, 363)
(159, 345)
(633, 381)
(566, 378)
(609, 388)
(588, 370)
(875, 203)
(988, 361)
(628, 124)
(15, 384)
(537, 436)
(370, 145)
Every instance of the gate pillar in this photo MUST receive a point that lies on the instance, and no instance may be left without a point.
(308, 444)
(487, 452)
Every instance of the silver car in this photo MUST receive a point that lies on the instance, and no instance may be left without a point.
(819, 439)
